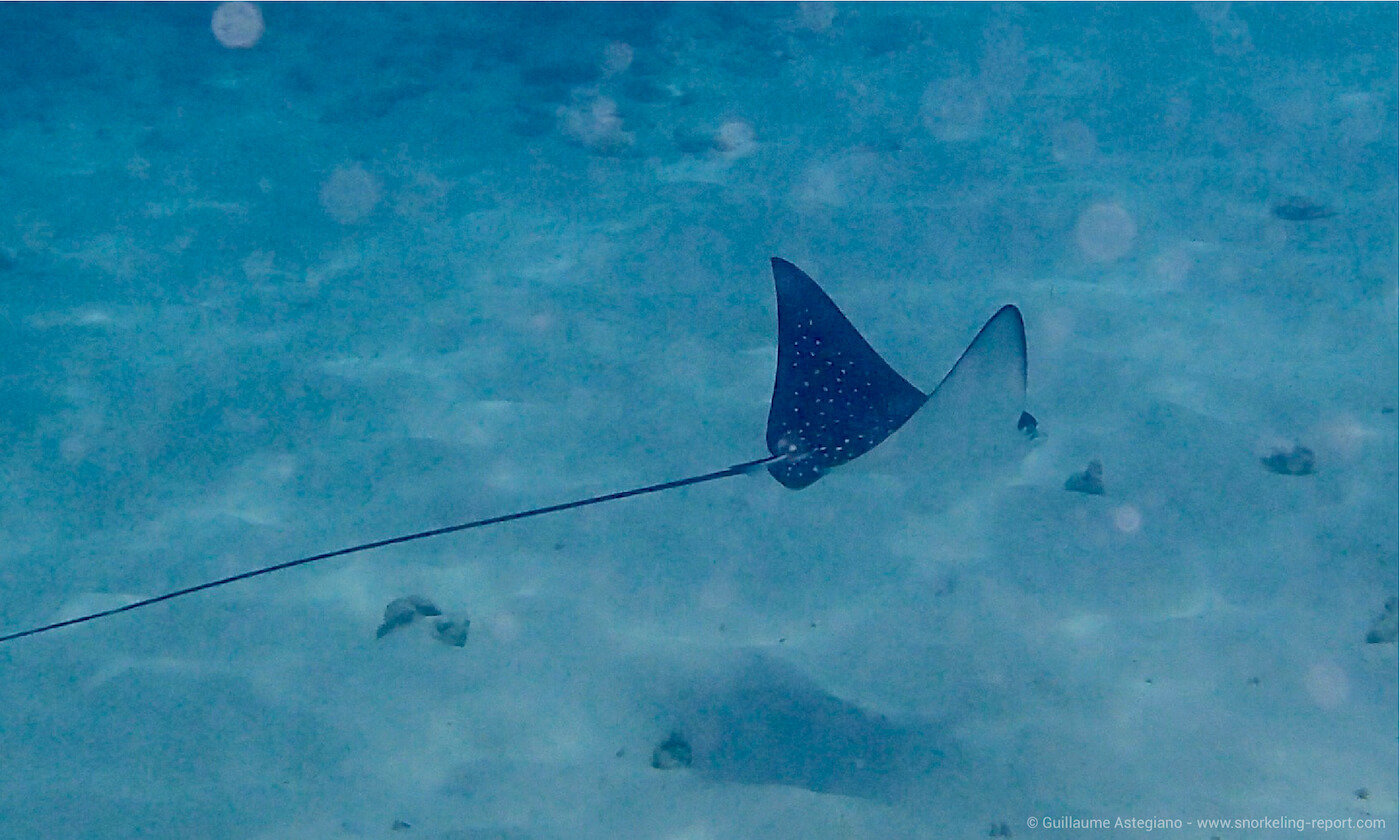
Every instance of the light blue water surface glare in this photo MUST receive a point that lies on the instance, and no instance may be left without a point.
(278, 280)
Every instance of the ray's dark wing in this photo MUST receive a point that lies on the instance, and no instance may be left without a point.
(834, 398)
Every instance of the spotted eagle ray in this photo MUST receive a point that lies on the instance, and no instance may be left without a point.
(834, 399)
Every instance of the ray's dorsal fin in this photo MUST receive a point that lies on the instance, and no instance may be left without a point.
(834, 398)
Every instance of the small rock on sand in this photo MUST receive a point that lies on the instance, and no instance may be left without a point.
(1090, 481)
(402, 612)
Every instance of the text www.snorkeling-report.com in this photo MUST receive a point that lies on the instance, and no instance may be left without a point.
(1165, 824)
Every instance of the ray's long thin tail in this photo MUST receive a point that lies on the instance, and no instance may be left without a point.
(834, 399)
(727, 472)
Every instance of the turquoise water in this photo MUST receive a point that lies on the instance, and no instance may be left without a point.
(284, 279)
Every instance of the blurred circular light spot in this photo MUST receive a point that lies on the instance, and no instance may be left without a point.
(595, 124)
(1362, 117)
(1345, 437)
(820, 185)
(237, 25)
(1127, 519)
(1105, 232)
(1230, 38)
(1211, 12)
(1173, 266)
(503, 626)
(953, 109)
(816, 17)
(617, 57)
(350, 194)
(735, 139)
(1176, 114)
(1327, 685)
(1073, 143)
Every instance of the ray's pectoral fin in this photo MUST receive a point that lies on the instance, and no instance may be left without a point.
(986, 387)
(834, 398)
(974, 424)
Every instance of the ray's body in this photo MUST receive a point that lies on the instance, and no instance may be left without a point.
(834, 400)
